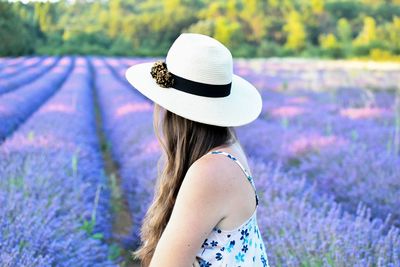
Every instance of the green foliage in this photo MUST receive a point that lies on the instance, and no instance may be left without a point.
(368, 33)
(44, 15)
(296, 34)
(120, 46)
(88, 227)
(249, 28)
(330, 46)
(15, 35)
(206, 27)
(344, 9)
(328, 41)
(114, 18)
(268, 49)
(378, 54)
(114, 252)
(391, 33)
(343, 30)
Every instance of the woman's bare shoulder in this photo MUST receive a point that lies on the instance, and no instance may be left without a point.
(217, 172)
(213, 168)
(207, 185)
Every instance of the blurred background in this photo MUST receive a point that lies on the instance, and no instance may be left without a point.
(312, 28)
(78, 153)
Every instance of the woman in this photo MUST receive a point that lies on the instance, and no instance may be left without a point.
(204, 208)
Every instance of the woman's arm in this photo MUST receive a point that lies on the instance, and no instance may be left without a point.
(198, 208)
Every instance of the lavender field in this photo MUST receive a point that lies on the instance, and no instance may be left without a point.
(78, 161)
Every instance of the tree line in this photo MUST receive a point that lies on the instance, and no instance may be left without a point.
(249, 28)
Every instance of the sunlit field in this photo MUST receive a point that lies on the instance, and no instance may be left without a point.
(78, 160)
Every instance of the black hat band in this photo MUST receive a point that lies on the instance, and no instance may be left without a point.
(201, 89)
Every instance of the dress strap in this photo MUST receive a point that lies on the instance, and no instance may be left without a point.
(241, 166)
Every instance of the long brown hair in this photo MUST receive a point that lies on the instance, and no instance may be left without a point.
(183, 142)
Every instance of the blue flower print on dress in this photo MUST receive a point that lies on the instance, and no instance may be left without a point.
(231, 245)
(239, 257)
(204, 263)
(204, 243)
(244, 233)
(218, 256)
(264, 261)
(244, 236)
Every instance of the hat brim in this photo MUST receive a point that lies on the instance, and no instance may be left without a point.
(240, 107)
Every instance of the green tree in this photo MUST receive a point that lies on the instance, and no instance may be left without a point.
(317, 6)
(16, 38)
(253, 15)
(115, 16)
(393, 35)
(295, 32)
(367, 34)
(206, 27)
(343, 29)
(344, 32)
(43, 14)
(225, 30)
(330, 45)
(328, 41)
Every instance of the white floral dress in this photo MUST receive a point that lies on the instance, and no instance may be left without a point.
(240, 247)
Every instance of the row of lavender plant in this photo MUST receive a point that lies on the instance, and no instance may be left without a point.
(9, 71)
(301, 226)
(54, 196)
(11, 61)
(4, 61)
(118, 108)
(18, 105)
(330, 137)
(26, 76)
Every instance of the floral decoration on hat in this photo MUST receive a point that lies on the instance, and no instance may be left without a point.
(161, 74)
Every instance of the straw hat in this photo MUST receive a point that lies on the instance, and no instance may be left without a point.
(197, 82)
